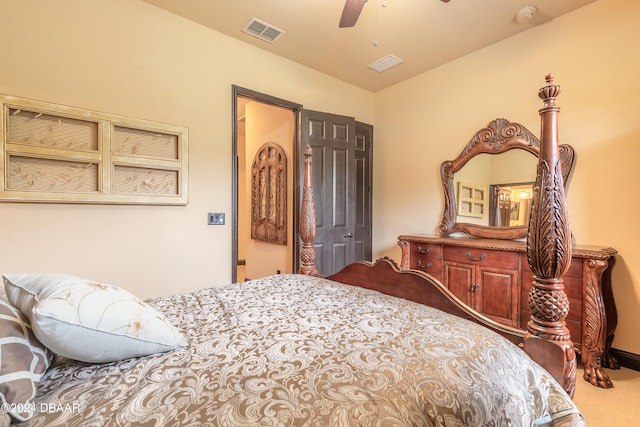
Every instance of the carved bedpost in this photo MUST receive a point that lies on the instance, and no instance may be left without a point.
(547, 338)
(307, 221)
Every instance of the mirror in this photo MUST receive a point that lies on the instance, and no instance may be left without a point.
(495, 179)
(488, 187)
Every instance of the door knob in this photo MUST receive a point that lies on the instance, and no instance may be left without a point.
(349, 235)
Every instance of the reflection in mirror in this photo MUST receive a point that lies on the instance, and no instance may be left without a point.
(502, 152)
(510, 204)
(476, 181)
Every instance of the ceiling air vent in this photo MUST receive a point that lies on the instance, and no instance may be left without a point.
(383, 64)
(262, 30)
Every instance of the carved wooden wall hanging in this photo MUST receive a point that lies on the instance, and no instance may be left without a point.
(269, 194)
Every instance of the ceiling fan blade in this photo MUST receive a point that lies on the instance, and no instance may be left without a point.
(351, 12)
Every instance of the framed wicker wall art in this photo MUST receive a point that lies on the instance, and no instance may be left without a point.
(55, 153)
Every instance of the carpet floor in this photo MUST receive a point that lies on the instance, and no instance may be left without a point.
(614, 407)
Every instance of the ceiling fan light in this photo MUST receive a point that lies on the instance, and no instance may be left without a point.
(383, 64)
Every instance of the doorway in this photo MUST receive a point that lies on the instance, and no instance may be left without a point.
(342, 178)
(260, 119)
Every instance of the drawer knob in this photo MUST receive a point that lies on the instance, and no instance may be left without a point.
(423, 251)
(470, 258)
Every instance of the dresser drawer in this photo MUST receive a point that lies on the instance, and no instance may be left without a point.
(572, 288)
(426, 257)
(575, 269)
(574, 325)
(434, 267)
(426, 250)
(572, 285)
(475, 256)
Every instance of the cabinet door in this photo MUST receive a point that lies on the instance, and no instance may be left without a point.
(497, 294)
(460, 279)
(491, 291)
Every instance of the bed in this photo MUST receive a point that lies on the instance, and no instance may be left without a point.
(371, 345)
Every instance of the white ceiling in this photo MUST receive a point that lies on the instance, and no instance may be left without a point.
(423, 33)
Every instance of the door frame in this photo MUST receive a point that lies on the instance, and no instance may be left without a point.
(296, 108)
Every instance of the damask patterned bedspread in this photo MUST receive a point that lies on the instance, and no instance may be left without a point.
(290, 350)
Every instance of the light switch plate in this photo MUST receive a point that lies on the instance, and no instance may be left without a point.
(215, 218)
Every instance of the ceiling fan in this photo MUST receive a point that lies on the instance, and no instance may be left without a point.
(351, 12)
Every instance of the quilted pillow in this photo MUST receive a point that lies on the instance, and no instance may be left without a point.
(23, 361)
(89, 321)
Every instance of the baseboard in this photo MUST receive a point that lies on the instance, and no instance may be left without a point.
(626, 359)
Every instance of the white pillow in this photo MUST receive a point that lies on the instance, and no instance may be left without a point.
(89, 321)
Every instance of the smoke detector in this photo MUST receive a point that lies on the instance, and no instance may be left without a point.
(526, 13)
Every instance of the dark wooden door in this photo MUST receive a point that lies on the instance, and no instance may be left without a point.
(341, 174)
(363, 186)
(505, 208)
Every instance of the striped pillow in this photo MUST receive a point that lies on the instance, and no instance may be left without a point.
(23, 361)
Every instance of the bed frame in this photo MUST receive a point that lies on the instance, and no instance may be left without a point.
(547, 339)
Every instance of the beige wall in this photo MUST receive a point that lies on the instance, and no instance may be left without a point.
(129, 58)
(594, 56)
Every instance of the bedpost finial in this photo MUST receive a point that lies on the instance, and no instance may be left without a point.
(549, 92)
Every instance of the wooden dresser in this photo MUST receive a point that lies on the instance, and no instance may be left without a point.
(493, 277)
